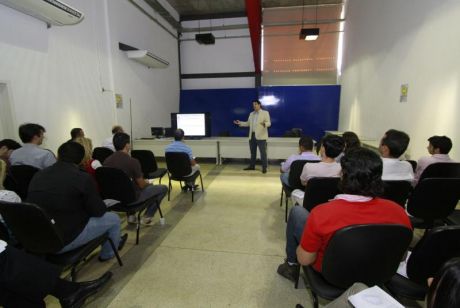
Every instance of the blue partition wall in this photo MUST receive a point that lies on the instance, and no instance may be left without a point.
(315, 109)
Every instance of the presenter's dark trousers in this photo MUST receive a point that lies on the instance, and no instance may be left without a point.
(25, 279)
(262, 144)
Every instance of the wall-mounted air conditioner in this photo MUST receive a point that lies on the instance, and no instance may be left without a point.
(53, 12)
(144, 57)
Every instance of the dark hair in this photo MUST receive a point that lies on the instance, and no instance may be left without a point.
(75, 132)
(117, 129)
(257, 102)
(445, 287)
(178, 134)
(333, 145)
(351, 141)
(396, 141)
(443, 143)
(306, 142)
(29, 130)
(71, 152)
(10, 144)
(120, 140)
(362, 173)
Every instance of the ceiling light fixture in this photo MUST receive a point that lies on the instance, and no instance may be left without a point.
(309, 34)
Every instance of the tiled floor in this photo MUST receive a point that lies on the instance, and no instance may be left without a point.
(220, 251)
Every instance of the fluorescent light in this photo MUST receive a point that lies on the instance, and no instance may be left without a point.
(309, 34)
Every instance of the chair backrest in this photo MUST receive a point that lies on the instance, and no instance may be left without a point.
(101, 153)
(320, 190)
(397, 191)
(22, 175)
(147, 160)
(368, 253)
(413, 164)
(441, 170)
(436, 247)
(295, 170)
(434, 198)
(32, 227)
(178, 164)
(115, 184)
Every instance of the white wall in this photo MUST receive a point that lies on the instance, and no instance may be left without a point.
(393, 42)
(55, 76)
(231, 53)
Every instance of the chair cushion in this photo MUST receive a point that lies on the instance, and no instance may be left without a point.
(186, 178)
(454, 218)
(320, 286)
(406, 288)
(160, 172)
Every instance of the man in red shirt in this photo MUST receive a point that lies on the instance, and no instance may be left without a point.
(359, 204)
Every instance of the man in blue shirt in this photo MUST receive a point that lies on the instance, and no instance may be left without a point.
(178, 145)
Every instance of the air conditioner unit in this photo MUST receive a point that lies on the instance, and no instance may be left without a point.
(147, 58)
(53, 12)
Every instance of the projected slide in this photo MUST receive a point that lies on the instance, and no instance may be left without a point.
(193, 124)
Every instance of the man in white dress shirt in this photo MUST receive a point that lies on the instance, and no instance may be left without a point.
(393, 145)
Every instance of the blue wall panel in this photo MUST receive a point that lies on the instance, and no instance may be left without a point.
(312, 108)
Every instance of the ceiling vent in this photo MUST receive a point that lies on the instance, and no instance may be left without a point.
(144, 57)
(205, 38)
(53, 12)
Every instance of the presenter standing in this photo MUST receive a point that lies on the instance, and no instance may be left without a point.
(258, 122)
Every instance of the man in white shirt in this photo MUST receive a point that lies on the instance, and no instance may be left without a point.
(393, 144)
(439, 148)
(108, 143)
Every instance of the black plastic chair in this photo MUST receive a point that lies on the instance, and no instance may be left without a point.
(36, 233)
(22, 175)
(413, 164)
(367, 253)
(179, 169)
(148, 164)
(397, 191)
(320, 190)
(295, 170)
(441, 170)
(436, 247)
(115, 184)
(432, 201)
(101, 153)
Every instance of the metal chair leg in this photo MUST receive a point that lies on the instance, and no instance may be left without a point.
(115, 251)
(73, 273)
(138, 227)
(169, 187)
(281, 199)
(202, 186)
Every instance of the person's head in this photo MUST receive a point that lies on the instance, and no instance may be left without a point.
(256, 104)
(87, 145)
(444, 290)
(76, 132)
(394, 143)
(7, 146)
(32, 133)
(439, 145)
(71, 152)
(117, 129)
(351, 141)
(362, 173)
(305, 144)
(122, 142)
(331, 146)
(179, 134)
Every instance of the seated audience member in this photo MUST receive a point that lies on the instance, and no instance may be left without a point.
(351, 141)
(108, 143)
(305, 153)
(393, 144)
(7, 146)
(88, 163)
(331, 147)
(439, 148)
(25, 280)
(2, 173)
(30, 153)
(178, 145)
(131, 166)
(76, 133)
(444, 290)
(307, 234)
(70, 197)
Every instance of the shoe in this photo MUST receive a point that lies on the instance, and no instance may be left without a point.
(146, 221)
(185, 188)
(194, 187)
(85, 290)
(121, 244)
(290, 272)
(249, 168)
(132, 219)
(264, 170)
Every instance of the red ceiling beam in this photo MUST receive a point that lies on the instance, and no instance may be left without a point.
(254, 13)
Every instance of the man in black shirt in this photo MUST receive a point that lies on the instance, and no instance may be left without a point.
(69, 196)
